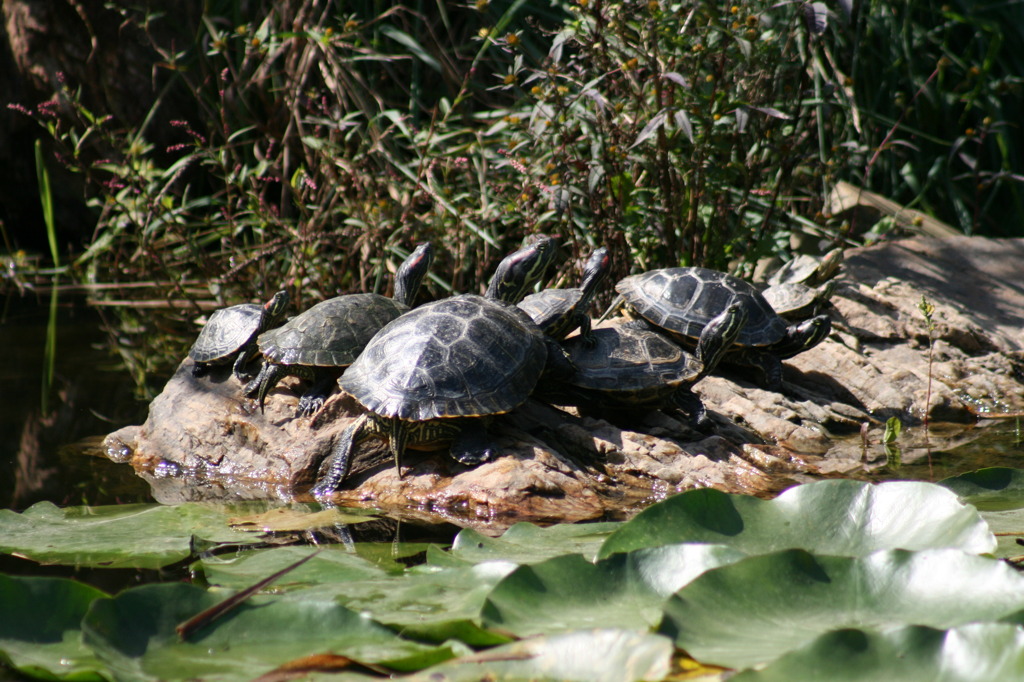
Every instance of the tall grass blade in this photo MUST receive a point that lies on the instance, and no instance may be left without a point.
(49, 351)
(46, 197)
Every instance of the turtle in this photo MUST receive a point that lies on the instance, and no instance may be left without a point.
(229, 336)
(630, 367)
(558, 312)
(681, 301)
(796, 300)
(808, 270)
(317, 344)
(428, 377)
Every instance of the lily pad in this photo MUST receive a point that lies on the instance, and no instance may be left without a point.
(116, 536)
(331, 564)
(39, 627)
(989, 489)
(526, 543)
(134, 633)
(427, 602)
(604, 655)
(755, 610)
(624, 591)
(978, 652)
(840, 517)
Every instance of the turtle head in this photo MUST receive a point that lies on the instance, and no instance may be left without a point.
(273, 310)
(522, 269)
(719, 334)
(411, 273)
(594, 272)
(801, 337)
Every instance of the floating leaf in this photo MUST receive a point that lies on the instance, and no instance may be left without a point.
(979, 652)
(755, 610)
(827, 517)
(332, 565)
(992, 488)
(39, 627)
(526, 543)
(428, 602)
(623, 591)
(296, 518)
(117, 536)
(134, 634)
(604, 655)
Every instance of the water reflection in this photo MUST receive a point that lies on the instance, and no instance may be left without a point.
(90, 394)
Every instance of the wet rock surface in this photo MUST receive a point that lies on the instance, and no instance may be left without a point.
(884, 359)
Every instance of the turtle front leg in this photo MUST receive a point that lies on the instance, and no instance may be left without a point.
(768, 367)
(472, 445)
(270, 374)
(689, 402)
(335, 468)
(245, 356)
(315, 396)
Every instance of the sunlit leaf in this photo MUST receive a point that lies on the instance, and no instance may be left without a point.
(117, 536)
(603, 655)
(755, 610)
(979, 652)
(656, 122)
(623, 591)
(526, 543)
(331, 565)
(992, 488)
(39, 627)
(827, 517)
(134, 633)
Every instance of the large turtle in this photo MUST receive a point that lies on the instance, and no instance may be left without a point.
(317, 344)
(229, 336)
(558, 312)
(630, 367)
(428, 376)
(681, 302)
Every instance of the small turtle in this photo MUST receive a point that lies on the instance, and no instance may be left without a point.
(796, 301)
(808, 270)
(230, 335)
(682, 301)
(428, 377)
(558, 312)
(630, 367)
(317, 344)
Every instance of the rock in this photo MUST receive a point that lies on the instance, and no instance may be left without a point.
(883, 360)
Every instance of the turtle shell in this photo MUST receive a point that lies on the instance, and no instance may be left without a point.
(330, 334)
(550, 307)
(683, 300)
(459, 357)
(226, 332)
(630, 365)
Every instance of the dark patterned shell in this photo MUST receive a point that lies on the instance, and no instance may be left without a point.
(331, 333)
(226, 332)
(630, 363)
(459, 357)
(552, 309)
(683, 300)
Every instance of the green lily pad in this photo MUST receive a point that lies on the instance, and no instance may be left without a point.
(604, 655)
(1008, 525)
(39, 627)
(989, 489)
(624, 591)
(134, 633)
(116, 536)
(978, 652)
(427, 602)
(755, 610)
(331, 564)
(526, 543)
(841, 517)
